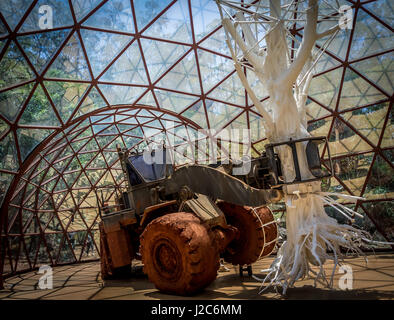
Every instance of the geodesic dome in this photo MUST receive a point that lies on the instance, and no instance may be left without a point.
(122, 72)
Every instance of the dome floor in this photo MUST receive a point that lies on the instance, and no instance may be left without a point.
(83, 282)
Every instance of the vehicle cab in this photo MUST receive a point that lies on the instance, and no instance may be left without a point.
(144, 173)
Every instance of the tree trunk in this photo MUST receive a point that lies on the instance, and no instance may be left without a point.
(310, 232)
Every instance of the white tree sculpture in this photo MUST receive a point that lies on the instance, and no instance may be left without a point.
(257, 36)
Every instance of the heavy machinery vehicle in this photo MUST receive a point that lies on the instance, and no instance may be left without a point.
(179, 221)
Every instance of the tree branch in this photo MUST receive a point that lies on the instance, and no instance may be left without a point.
(250, 39)
(302, 97)
(248, 54)
(306, 46)
(266, 116)
(255, 60)
(328, 32)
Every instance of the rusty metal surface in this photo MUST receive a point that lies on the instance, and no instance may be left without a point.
(117, 239)
(207, 210)
(149, 210)
(115, 221)
(119, 246)
(219, 185)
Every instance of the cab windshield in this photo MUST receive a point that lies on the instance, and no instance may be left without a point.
(150, 172)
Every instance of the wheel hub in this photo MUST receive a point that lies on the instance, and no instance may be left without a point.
(168, 260)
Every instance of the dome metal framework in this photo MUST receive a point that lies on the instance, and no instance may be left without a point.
(118, 71)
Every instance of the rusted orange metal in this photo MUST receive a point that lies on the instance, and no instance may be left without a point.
(152, 209)
(116, 240)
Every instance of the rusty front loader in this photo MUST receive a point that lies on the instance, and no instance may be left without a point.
(179, 221)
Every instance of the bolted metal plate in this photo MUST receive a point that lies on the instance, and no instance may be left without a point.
(206, 210)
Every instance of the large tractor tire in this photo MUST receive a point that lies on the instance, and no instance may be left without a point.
(179, 254)
(257, 233)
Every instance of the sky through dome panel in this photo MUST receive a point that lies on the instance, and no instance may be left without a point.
(196, 113)
(102, 47)
(14, 68)
(40, 47)
(213, 68)
(174, 101)
(92, 102)
(39, 111)
(59, 9)
(147, 10)
(128, 68)
(9, 155)
(148, 99)
(183, 76)
(379, 70)
(14, 10)
(325, 88)
(121, 94)
(218, 42)
(357, 92)
(369, 121)
(230, 90)
(83, 7)
(160, 56)
(113, 15)
(66, 96)
(3, 29)
(173, 25)
(219, 114)
(370, 36)
(256, 126)
(339, 44)
(205, 17)
(239, 123)
(383, 9)
(11, 101)
(29, 138)
(325, 63)
(259, 89)
(70, 63)
(343, 140)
